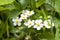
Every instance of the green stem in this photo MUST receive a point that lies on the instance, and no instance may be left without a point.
(44, 13)
(7, 29)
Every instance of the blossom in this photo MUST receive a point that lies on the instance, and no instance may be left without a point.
(23, 16)
(47, 23)
(17, 21)
(38, 24)
(29, 23)
(28, 13)
(24, 11)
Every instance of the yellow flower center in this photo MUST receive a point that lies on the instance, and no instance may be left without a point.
(38, 24)
(30, 13)
(23, 17)
(30, 23)
(17, 20)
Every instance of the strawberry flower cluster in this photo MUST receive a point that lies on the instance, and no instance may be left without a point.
(37, 24)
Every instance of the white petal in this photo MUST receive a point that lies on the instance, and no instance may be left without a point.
(48, 27)
(26, 24)
(20, 19)
(45, 23)
(32, 12)
(41, 25)
(19, 24)
(49, 21)
(29, 26)
(32, 20)
(13, 20)
(23, 16)
(40, 20)
(14, 24)
(36, 21)
(52, 24)
(38, 28)
(27, 11)
(29, 20)
(35, 26)
(32, 23)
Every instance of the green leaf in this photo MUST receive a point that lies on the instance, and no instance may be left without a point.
(14, 13)
(1, 8)
(57, 26)
(57, 5)
(22, 2)
(10, 13)
(33, 4)
(17, 5)
(3, 2)
(39, 3)
(7, 7)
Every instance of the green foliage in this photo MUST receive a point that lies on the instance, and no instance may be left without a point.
(3, 2)
(39, 3)
(7, 7)
(57, 6)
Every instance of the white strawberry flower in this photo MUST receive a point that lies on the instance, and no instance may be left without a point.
(28, 13)
(17, 21)
(29, 23)
(38, 24)
(23, 16)
(47, 23)
(24, 11)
